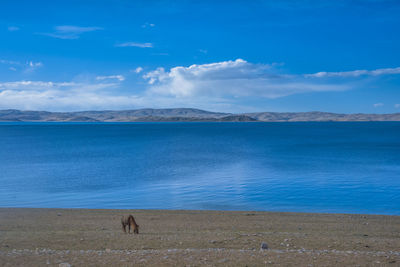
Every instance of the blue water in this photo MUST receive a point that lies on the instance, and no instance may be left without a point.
(349, 167)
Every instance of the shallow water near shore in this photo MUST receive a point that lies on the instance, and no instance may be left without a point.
(349, 167)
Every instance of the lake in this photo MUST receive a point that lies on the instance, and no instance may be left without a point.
(338, 167)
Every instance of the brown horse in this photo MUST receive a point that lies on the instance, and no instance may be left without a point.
(130, 222)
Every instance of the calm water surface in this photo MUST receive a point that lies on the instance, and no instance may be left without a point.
(310, 167)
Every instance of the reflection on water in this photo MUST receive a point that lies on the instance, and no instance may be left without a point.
(311, 167)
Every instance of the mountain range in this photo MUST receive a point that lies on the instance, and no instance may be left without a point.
(184, 114)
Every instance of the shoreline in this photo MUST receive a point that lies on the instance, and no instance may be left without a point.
(207, 210)
(48, 236)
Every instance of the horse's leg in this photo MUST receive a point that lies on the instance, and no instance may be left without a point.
(129, 226)
(134, 228)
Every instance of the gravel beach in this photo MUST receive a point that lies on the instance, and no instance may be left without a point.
(82, 237)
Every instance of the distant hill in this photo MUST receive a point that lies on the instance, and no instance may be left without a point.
(184, 114)
(321, 116)
(175, 114)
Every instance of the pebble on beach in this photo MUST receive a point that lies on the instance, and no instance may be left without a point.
(264, 245)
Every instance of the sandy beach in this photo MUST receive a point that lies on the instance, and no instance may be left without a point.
(79, 237)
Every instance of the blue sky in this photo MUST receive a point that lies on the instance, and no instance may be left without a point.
(235, 56)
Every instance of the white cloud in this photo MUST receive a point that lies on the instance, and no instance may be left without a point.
(34, 64)
(138, 70)
(31, 66)
(13, 28)
(75, 29)
(355, 73)
(28, 66)
(377, 105)
(134, 44)
(118, 77)
(397, 105)
(70, 32)
(9, 62)
(160, 54)
(203, 51)
(148, 25)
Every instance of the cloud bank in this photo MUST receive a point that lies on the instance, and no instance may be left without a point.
(237, 78)
(62, 96)
(221, 86)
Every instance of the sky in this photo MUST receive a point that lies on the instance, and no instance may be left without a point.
(229, 56)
